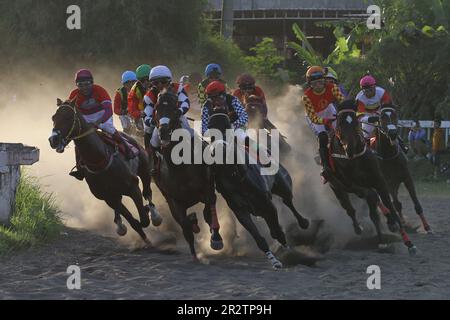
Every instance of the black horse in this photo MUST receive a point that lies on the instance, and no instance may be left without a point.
(393, 161)
(248, 192)
(356, 170)
(183, 185)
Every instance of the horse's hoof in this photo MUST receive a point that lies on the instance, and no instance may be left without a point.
(277, 265)
(121, 230)
(216, 245)
(358, 228)
(155, 216)
(412, 250)
(385, 248)
(148, 243)
(429, 230)
(304, 224)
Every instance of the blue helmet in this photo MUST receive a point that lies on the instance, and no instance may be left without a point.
(128, 76)
(213, 67)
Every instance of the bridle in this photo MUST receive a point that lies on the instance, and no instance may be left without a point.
(338, 136)
(76, 120)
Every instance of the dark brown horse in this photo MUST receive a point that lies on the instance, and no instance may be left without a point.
(248, 192)
(357, 170)
(183, 184)
(108, 174)
(393, 161)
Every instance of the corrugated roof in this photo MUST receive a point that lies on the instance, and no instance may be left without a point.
(248, 5)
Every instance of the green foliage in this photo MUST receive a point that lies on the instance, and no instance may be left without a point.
(266, 60)
(35, 218)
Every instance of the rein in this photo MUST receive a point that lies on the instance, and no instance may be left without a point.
(81, 135)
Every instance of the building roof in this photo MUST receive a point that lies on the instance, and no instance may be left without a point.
(251, 5)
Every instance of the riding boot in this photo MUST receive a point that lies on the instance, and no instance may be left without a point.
(79, 173)
(402, 145)
(326, 169)
(121, 141)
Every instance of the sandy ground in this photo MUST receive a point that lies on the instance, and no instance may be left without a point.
(110, 270)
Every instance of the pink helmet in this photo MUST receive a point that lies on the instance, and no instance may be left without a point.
(367, 81)
(83, 74)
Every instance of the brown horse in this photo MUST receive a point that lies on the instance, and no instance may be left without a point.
(108, 174)
(357, 170)
(183, 185)
(393, 161)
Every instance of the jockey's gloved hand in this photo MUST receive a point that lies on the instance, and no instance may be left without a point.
(178, 113)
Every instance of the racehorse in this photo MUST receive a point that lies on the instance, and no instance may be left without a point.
(186, 184)
(247, 192)
(356, 169)
(393, 161)
(255, 110)
(108, 175)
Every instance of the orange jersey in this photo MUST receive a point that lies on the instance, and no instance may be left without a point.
(317, 102)
(136, 100)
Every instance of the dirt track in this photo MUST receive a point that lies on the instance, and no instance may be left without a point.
(110, 270)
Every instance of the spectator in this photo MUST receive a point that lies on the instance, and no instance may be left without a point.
(438, 145)
(417, 140)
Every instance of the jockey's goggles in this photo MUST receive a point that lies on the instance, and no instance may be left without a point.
(82, 84)
(368, 88)
(316, 76)
(162, 81)
(247, 88)
(216, 95)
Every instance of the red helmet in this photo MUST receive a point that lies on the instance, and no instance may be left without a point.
(215, 88)
(245, 80)
(83, 75)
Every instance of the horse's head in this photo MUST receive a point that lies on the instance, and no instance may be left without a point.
(348, 128)
(167, 115)
(389, 121)
(66, 125)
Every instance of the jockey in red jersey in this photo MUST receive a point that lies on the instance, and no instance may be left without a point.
(136, 95)
(319, 101)
(247, 87)
(94, 103)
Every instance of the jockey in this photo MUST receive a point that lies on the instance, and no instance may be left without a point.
(161, 78)
(369, 100)
(319, 102)
(332, 77)
(121, 99)
(137, 93)
(247, 87)
(217, 97)
(94, 103)
(212, 72)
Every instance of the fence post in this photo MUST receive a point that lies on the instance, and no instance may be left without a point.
(12, 156)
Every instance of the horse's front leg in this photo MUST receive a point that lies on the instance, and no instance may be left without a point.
(115, 204)
(210, 214)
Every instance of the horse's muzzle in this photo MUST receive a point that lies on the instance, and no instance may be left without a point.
(56, 141)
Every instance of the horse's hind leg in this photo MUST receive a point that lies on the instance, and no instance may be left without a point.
(409, 184)
(135, 224)
(246, 221)
(115, 204)
(283, 188)
(270, 215)
(344, 200)
(136, 195)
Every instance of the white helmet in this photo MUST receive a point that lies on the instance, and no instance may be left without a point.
(160, 72)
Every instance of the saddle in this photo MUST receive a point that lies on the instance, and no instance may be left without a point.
(108, 139)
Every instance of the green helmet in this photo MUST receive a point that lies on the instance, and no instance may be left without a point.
(331, 73)
(143, 71)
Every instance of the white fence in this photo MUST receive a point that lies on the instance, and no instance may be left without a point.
(428, 126)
